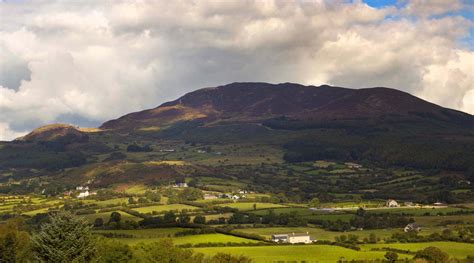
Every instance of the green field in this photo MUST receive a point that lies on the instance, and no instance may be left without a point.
(454, 249)
(249, 206)
(321, 234)
(164, 208)
(308, 214)
(147, 233)
(191, 239)
(325, 253)
(417, 211)
(309, 253)
(106, 215)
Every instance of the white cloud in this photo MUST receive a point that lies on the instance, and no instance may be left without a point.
(88, 61)
(426, 8)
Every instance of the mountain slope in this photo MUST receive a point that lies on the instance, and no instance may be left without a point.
(247, 102)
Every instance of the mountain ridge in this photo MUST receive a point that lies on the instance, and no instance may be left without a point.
(255, 100)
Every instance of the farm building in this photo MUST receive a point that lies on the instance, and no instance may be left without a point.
(391, 203)
(83, 194)
(412, 227)
(282, 238)
(292, 238)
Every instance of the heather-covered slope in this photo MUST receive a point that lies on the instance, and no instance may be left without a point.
(248, 102)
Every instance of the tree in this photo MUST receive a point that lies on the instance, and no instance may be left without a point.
(98, 222)
(165, 251)
(115, 217)
(191, 194)
(254, 206)
(360, 211)
(184, 218)
(314, 202)
(228, 258)
(14, 241)
(114, 251)
(432, 254)
(131, 200)
(199, 220)
(391, 256)
(65, 239)
(169, 217)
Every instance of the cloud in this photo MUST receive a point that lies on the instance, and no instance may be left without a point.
(87, 61)
(426, 8)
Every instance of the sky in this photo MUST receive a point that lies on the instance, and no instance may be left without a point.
(84, 62)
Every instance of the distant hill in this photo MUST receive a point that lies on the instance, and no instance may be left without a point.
(54, 132)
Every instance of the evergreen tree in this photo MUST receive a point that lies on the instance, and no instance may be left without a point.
(65, 239)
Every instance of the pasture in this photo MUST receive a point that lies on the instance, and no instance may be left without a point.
(297, 253)
(250, 206)
(454, 249)
(164, 208)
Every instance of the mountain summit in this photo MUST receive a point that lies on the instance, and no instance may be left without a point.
(244, 102)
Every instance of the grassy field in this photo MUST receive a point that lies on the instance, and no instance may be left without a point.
(321, 234)
(147, 233)
(325, 253)
(249, 206)
(454, 249)
(106, 216)
(308, 214)
(191, 239)
(163, 208)
(416, 211)
(308, 253)
(115, 201)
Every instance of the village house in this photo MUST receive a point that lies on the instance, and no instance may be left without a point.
(235, 197)
(83, 194)
(292, 238)
(391, 203)
(180, 185)
(412, 227)
(82, 188)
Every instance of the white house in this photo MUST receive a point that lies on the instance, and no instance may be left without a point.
(299, 238)
(180, 185)
(82, 188)
(412, 227)
(391, 203)
(292, 238)
(83, 194)
(235, 197)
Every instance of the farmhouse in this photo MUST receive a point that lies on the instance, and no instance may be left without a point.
(412, 227)
(180, 185)
(83, 194)
(392, 203)
(292, 238)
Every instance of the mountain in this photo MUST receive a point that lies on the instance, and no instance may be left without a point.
(255, 133)
(251, 102)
